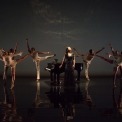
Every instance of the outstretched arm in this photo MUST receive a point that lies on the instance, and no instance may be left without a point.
(100, 50)
(77, 53)
(29, 50)
(16, 54)
(112, 49)
(105, 59)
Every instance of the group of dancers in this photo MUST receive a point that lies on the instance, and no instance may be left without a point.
(10, 61)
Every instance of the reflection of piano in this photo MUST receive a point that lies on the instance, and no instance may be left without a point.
(55, 71)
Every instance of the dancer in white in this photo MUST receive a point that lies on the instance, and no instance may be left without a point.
(37, 59)
(9, 61)
(117, 61)
(87, 59)
(8, 56)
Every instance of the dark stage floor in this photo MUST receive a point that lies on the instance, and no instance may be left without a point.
(32, 101)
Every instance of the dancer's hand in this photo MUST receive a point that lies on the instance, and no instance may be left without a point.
(74, 49)
(20, 53)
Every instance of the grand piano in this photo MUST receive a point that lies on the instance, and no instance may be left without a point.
(55, 71)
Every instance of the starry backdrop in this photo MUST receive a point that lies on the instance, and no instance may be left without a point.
(52, 25)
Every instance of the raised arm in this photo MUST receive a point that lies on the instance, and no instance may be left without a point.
(99, 50)
(29, 50)
(1, 52)
(112, 49)
(15, 49)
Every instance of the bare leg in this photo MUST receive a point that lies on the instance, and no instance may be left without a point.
(120, 68)
(5, 94)
(49, 56)
(46, 57)
(86, 70)
(22, 58)
(115, 75)
(13, 76)
(5, 72)
(37, 63)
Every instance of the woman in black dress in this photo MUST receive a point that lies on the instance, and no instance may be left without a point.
(69, 64)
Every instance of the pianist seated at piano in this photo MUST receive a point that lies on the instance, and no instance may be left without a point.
(55, 71)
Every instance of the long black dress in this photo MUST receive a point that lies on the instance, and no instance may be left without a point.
(69, 78)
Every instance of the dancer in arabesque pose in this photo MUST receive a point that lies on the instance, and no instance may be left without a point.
(37, 59)
(8, 58)
(87, 59)
(117, 61)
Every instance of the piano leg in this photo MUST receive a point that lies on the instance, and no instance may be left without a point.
(56, 78)
(51, 76)
(78, 75)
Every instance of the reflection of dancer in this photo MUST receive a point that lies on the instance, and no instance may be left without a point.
(37, 59)
(117, 63)
(117, 101)
(69, 61)
(120, 101)
(9, 111)
(38, 101)
(87, 59)
(88, 98)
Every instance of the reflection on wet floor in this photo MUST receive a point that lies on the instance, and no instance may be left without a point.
(8, 106)
(34, 101)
